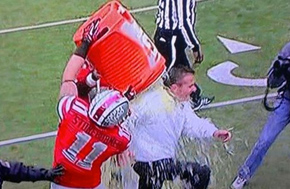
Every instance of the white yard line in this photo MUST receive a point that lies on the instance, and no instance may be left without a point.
(42, 25)
(238, 101)
(52, 134)
(143, 9)
(51, 24)
(28, 138)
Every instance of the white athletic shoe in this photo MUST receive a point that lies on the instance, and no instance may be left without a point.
(238, 183)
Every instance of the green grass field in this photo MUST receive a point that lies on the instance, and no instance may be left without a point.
(32, 63)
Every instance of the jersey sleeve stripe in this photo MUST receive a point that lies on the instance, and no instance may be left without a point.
(63, 105)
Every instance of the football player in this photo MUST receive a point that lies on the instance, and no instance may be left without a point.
(118, 48)
(88, 135)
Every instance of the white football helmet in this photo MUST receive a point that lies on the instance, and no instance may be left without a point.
(108, 107)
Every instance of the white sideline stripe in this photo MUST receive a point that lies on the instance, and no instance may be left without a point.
(64, 22)
(233, 102)
(70, 21)
(28, 138)
(42, 25)
(52, 134)
(143, 9)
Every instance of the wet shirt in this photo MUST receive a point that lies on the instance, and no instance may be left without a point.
(158, 121)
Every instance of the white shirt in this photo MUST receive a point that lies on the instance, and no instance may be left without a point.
(158, 121)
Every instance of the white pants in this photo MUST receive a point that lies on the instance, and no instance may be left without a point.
(56, 186)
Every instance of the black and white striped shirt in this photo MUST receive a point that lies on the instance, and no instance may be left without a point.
(178, 15)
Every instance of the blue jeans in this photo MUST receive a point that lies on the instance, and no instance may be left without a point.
(276, 122)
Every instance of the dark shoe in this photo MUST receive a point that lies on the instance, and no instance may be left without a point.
(202, 101)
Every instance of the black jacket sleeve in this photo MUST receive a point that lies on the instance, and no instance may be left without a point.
(17, 172)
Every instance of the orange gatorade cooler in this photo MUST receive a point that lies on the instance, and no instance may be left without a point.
(123, 54)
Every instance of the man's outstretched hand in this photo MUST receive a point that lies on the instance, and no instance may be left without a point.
(224, 135)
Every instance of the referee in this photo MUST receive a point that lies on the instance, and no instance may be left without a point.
(175, 32)
(175, 21)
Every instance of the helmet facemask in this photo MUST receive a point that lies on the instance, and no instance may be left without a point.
(108, 108)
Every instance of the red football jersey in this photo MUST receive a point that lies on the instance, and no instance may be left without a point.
(82, 147)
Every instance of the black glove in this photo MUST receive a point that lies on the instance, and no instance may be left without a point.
(54, 172)
(198, 55)
(89, 36)
(90, 32)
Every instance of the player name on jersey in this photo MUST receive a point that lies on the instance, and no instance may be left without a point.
(93, 131)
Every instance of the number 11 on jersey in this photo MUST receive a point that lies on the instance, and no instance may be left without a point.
(82, 139)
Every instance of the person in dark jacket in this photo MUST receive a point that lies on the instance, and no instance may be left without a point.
(278, 119)
(13, 171)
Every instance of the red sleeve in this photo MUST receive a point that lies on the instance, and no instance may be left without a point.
(64, 105)
(83, 73)
(84, 81)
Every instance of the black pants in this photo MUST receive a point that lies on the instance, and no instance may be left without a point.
(172, 45)
(153, 174)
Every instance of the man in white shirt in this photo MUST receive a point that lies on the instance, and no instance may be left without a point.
(160, 116)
